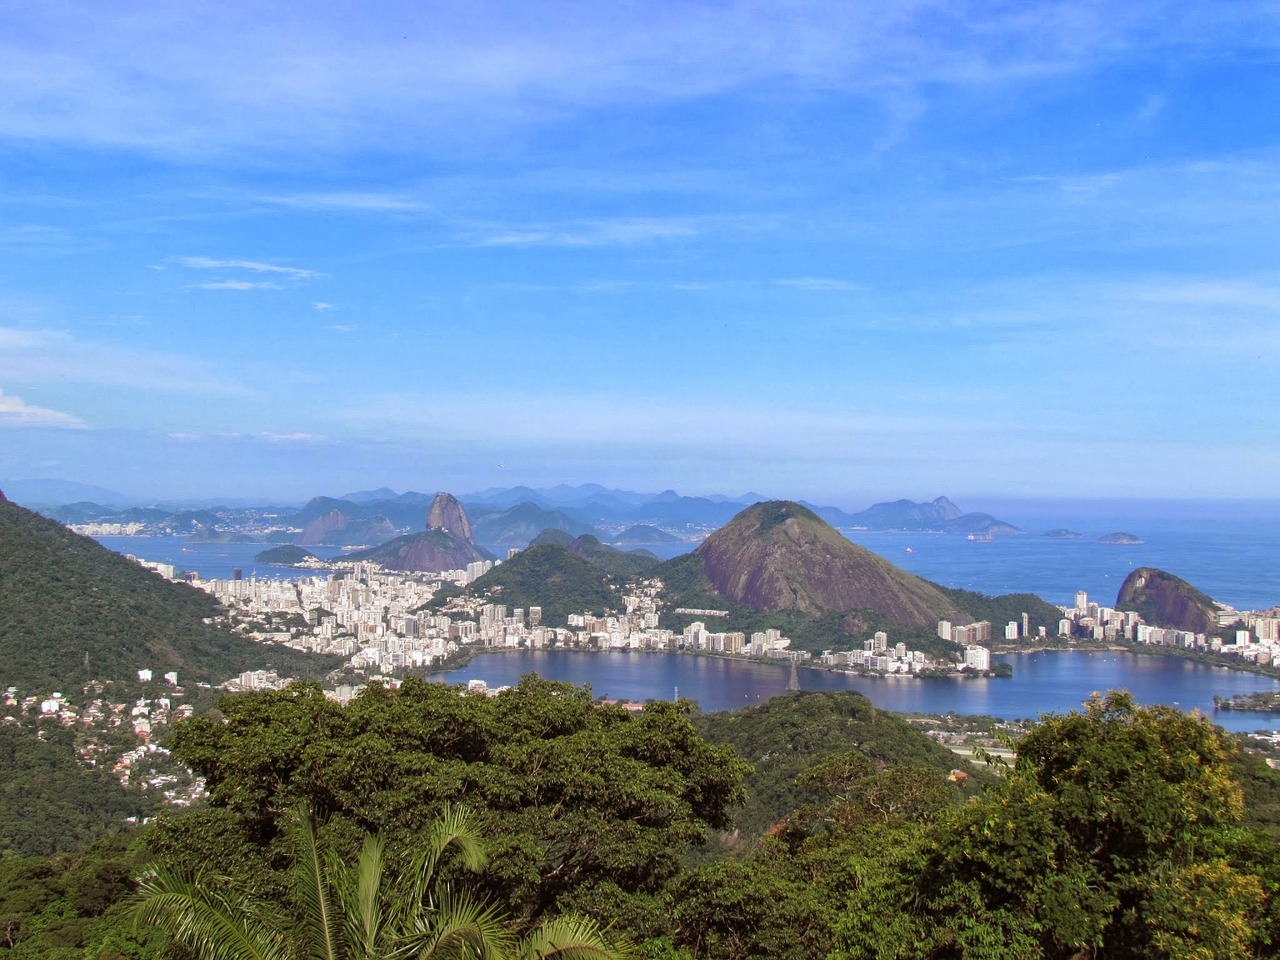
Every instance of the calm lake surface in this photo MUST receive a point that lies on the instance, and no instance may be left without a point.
(1041, 682)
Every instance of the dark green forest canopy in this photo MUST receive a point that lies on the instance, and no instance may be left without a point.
(584, 801)
(1118, 834)
(1001, 609)
(72, 907)
(51, 802)
(788, 735)
(63, 595)
(546, 576)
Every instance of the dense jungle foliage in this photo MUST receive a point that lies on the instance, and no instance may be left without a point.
(1119, 832)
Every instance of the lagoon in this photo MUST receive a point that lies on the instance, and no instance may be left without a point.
(1051, 681)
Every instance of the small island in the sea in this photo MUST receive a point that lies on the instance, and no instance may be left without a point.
(1062, 533)
(1122, 538)
(288, 555)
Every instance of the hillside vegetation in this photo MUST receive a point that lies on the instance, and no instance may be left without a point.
(546, 575)
(63, 596)
(779, 555)
(785, 736)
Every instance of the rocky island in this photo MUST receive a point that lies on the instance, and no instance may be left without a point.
(1125, 539)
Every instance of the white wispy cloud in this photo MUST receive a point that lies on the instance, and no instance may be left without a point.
(34, 235)
(254, 266)
(238, 285)
(211, 80)
(53, 357)
(815, 283)
(612, 232)
(351, 201)
(14, 412)
(323, 305)
(293, 438)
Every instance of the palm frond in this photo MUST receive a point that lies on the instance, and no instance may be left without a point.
(458, 927)
(572, 938)
(314, 889)
(361, 893)
(453, 831)
(216, 925)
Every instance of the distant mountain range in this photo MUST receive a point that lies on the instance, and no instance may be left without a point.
(502, 518)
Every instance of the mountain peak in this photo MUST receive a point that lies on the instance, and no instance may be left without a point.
(947, 509)
(1164, 600)
(448, 514)
(780, 555)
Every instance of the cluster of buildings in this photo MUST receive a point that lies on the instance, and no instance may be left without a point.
(877, 656)
(145, 765)
(377, 621)
(1258, 642)
(370, 617)
(107, 529)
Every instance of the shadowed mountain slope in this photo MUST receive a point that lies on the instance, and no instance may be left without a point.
(600, 555)
(446, 545)
(1164, 600)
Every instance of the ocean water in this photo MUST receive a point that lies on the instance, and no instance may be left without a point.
(212, 561)
(1231, 550)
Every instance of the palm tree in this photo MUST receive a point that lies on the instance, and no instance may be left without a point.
(354, 912)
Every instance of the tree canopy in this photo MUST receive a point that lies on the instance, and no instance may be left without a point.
(1115, 835)
(585, 802)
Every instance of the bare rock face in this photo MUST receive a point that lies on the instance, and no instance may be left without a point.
(446, 544)
(1164, 600)
(313, 534)
(780, 555)
(447, 514)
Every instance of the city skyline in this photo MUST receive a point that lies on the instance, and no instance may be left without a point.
(841, 254)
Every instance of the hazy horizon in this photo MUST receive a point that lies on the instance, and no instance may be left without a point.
(836, 252)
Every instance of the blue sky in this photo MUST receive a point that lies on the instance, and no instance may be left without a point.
(835, 251)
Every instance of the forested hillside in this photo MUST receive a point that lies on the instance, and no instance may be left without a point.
(50, 801)
(546, 575)
(63, 596)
